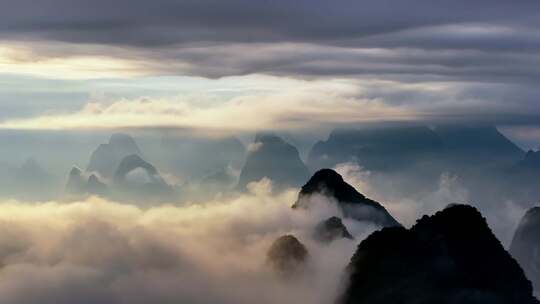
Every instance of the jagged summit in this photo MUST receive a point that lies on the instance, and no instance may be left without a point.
(450, 257)
(273, 158)
(137, 179)
(106, 158)
(329, 183)
(78, 184)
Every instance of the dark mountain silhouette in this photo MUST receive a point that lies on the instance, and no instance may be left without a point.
(331, 229)
(275, 159)
(525, 246)
(287, 256)
(450, 257)
(106, 158)
(354, 205)
(376, 148)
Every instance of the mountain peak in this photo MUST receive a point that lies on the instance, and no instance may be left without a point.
(331, 182)
(355, 205)
(124, 142)
(106, 158)
(287, 255)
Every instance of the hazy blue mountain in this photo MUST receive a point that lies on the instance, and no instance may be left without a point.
(354, 205)
(272, 157)
(525, 246)
(520, 181)
(450, 257)
(197, 157)
(76, 183)
(376, 148)
(106, 158)
(96, 186)
(31, 171)
(531, 161)
(28, 181)
(477, 144)
(79, 185)
(393, 148)
(137, 179)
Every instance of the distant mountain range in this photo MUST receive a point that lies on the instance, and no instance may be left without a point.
(29, 181)
(117, 170)
(391, 148)
(197, 158)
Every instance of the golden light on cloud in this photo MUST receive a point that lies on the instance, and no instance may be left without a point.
(218, 246)
(25, 61)
(292, 110)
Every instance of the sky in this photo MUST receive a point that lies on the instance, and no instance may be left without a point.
(232, 66)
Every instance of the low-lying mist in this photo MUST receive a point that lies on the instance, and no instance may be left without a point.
(98, 251)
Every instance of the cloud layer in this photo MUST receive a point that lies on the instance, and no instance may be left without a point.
(453, 39)
(308, 105)
(103, 252)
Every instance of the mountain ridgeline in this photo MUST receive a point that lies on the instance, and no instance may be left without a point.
(391, 148)
(117, 170)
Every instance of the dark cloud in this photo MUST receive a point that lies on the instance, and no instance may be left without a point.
(166, 21)
(492, 44)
